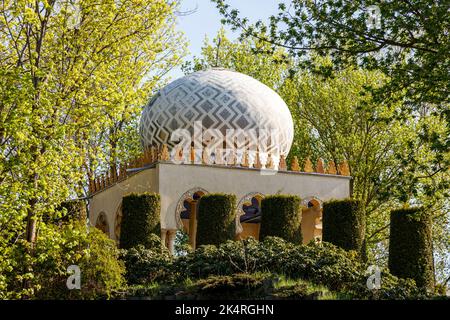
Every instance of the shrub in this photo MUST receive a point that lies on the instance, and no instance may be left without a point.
(410, 246)
(145, 266)
(55, 250)
(216, 219)
(182, 245)
(102, 273)
(392, 288)
(344, 224)
(321, 264)
(140, 219)
(274, 255)
(281, 217)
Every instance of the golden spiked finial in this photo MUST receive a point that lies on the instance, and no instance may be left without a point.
(344, 169)
(231, 161)
(257, 164)
(319, 166)
(97, 184)
(219, 156)
(205, 157)
(91, 186)
(307, 166)
(165, 156)
(331, 168)
(245, 160)
(282, 165)
(269, 164)
(192, 155)
(295, 166)
(147, 156)
(154, 154)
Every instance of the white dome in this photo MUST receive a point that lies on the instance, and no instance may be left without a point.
(221, 99)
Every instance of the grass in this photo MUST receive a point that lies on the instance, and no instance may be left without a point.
(237, 286)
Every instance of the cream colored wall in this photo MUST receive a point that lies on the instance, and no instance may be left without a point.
(172, 181)
(249, 230)
(177, 179)
(109, 200)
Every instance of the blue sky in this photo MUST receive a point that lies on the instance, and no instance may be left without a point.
(206, 21)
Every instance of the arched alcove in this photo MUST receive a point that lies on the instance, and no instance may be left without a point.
(102, 223)
(248, 215)
(118, 222)
(186, 212)
(311, 219)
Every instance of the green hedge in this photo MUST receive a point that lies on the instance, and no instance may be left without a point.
(216, 219)
(140, 219)
(281, 217)
(410, 246)
(344, 225)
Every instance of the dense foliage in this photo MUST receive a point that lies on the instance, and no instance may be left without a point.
(319, 264)
(343, 224)
(140, 219)
(57, 248)
(216, 218)
(146, 265)
(410, 246)
(336, 118)
(68, 212)
(405, 40)
(73, 78)
(281, 217)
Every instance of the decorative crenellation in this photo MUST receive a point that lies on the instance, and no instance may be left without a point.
(247, 159)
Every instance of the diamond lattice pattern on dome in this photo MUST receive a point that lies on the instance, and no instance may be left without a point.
(221, 99)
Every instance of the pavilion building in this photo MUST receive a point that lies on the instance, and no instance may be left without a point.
(216, 131)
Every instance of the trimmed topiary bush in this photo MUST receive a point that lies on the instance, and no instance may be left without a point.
(216, 219)
(344, 224)
(281, 217)
(410, 246)
(140, 219)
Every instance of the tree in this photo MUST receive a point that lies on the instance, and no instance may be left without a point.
(336, 119)
(409, 46)
(407, 41)
(346, 125)
(409, 37)
(73, 75)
